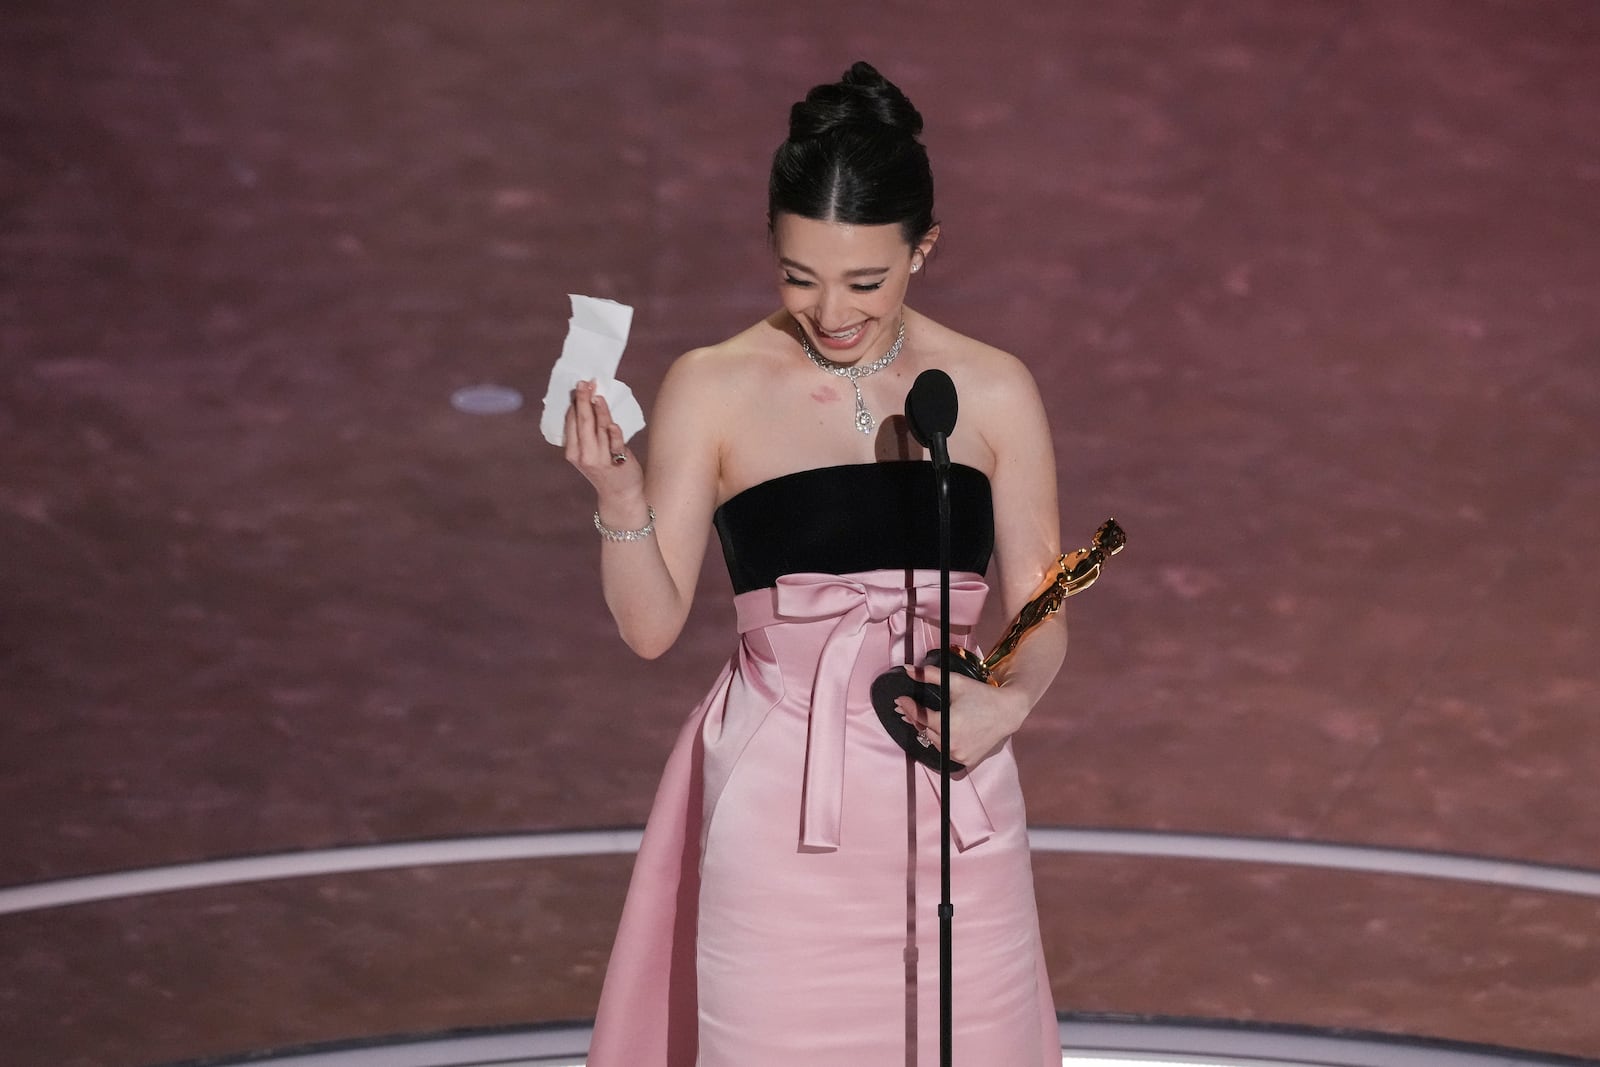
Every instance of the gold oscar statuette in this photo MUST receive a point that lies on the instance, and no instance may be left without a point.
(1072, 573)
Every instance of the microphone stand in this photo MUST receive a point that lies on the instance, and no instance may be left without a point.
(931, 408)
(941, 473)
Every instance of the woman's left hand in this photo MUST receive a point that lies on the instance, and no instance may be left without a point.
(985, 715)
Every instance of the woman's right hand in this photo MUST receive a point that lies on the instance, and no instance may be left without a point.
(595, 446)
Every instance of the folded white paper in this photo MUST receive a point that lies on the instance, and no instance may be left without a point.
(596, 336)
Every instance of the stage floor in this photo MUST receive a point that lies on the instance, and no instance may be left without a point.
(1309, 287)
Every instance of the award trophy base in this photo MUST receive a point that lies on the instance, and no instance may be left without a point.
(896, 683)
(1073, 573)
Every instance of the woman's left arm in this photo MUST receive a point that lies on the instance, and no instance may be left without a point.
(1027, 531)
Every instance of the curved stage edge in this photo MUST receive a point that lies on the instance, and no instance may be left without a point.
(1486, 870)
(1086, 1041)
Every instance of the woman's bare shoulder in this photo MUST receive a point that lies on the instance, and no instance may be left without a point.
(726, 364)
(979, 369)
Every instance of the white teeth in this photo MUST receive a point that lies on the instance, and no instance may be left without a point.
(841, 336)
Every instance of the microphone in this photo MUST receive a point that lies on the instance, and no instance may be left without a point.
(931, 410)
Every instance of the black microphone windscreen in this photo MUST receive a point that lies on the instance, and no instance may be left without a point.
(931, 406)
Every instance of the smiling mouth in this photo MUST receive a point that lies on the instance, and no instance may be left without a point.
(841, 338)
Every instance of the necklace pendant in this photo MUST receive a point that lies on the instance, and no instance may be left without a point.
(863, 416)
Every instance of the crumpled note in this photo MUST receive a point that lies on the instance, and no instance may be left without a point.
(596, 336)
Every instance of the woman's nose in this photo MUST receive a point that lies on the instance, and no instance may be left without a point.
(833, 311)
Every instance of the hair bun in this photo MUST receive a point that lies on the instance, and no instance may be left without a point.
(862, 100)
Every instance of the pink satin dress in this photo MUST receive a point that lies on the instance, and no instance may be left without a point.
(783, 906)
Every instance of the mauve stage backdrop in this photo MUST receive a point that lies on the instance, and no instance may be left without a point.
(1310, 286)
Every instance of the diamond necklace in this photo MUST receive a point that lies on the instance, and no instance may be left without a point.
(856, 371)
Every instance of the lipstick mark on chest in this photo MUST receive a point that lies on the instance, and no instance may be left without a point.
(825, 394)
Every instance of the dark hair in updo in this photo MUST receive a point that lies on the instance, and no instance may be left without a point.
(853, 156)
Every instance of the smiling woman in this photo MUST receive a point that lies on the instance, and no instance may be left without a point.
(782, 906)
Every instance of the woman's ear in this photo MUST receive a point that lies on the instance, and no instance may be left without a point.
(923, 248)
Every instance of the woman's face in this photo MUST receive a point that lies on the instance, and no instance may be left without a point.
(845, 284)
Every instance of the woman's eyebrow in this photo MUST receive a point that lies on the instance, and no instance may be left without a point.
(859, 272)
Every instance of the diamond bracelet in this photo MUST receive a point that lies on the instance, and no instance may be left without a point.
(627, 535)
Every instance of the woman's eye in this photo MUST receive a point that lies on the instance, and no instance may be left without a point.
(790, 279)
(867, 288)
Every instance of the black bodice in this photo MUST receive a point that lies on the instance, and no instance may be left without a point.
(857, 517)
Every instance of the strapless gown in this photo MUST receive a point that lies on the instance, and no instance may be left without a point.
(783, 905)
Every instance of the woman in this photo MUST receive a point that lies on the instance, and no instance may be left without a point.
(782, 908)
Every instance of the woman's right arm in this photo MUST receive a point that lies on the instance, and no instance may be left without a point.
(649, 583)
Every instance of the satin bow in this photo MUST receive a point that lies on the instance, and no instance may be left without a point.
(857, 605)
